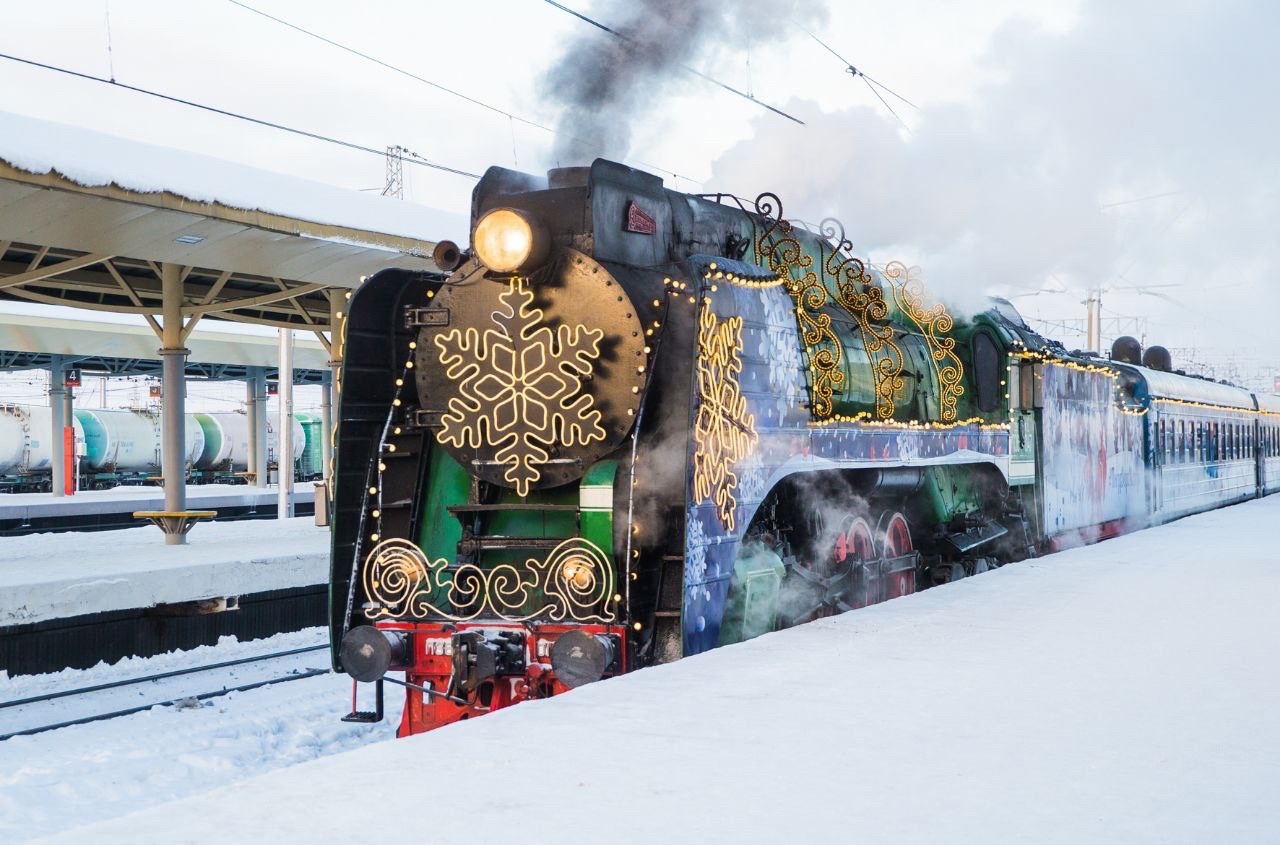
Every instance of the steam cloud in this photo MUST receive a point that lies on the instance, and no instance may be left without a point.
(604, 84)
(1138, 99)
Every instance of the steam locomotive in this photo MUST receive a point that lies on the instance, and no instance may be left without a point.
(630, 424)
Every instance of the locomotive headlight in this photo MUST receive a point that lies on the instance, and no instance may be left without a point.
(509, 241)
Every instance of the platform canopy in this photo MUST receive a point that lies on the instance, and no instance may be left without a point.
(89, 220)
(28, 342)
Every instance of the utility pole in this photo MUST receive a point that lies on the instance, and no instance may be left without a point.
(394, 186)
(1093, 307)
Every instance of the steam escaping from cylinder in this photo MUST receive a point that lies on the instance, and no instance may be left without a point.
(605, 83)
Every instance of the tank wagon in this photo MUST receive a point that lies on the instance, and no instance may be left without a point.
(123, 447)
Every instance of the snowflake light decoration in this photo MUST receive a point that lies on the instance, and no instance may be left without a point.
(520, 387)
(723, 431)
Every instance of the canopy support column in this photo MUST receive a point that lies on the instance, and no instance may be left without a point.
(258, 435)
(326, 425)
(284, 440)
(331, 400)
(251, 423)
(57, 411)
(173, 391)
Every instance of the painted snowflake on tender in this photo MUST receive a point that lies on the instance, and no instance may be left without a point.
(695, 551)
(780, 346)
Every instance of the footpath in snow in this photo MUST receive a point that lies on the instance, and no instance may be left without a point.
(1124, 692)
(54, 576)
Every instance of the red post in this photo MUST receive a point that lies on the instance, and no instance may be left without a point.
(69, 460)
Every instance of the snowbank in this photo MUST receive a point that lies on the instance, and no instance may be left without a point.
(93, 159)
(1123, 692)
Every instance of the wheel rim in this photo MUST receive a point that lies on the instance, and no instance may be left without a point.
(895, 542)
(896, 536)
(854, 542)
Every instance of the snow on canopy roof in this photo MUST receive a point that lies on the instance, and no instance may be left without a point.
(93, 159)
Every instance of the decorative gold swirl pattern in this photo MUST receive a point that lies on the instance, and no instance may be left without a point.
(779, 250)
(723, 431)
(858, 293)
(576, 582)
(908, 292)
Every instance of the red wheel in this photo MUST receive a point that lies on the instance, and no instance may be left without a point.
(895, 541)
(895, 535)
(854, 540)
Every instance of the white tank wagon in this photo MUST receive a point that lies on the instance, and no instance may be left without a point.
(128, 442)
(122, 446)
(26, 440)
(226, 441)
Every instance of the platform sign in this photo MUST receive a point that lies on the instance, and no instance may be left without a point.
(72, 378)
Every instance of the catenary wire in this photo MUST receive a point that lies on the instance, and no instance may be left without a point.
(228, 113)
(684, 67)
(511, 116)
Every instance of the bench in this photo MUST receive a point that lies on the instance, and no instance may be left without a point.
(174, 524)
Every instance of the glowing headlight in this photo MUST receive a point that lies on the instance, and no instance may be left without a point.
(508, 241)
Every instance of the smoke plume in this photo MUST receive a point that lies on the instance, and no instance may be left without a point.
(1033, 182)
(605, 83)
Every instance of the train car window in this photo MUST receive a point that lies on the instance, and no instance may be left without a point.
(986, 365)
(1181, 445)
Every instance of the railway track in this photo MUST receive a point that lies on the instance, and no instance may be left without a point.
(99, 702)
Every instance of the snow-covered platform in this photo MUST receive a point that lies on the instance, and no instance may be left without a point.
(57, 576)
(38, 508)
(1123, 692)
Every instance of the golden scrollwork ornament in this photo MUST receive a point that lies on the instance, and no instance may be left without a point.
(574, 583)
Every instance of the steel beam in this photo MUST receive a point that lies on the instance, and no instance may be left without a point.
(39, 273)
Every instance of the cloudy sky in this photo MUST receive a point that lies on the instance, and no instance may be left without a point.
(1053, 146)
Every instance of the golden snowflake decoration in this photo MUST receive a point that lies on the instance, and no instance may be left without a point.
(520, 387)
(723, 431)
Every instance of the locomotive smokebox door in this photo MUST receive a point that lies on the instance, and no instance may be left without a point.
(532, 379)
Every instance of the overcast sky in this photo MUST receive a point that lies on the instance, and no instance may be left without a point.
(1037, 124)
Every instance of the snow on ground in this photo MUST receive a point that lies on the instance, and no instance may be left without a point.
(53, 576)
(1123, 692)
(93, 158)
(103, 770)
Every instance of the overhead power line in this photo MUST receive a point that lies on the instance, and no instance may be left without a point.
(871, 83)
(511, 116)
(686, 68)
(393, 68)
(316, 136)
